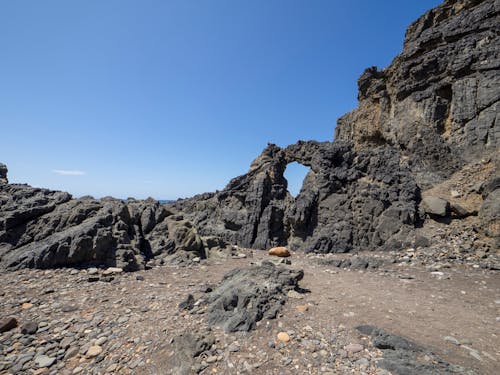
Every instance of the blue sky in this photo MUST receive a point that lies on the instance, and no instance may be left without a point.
(172, 98)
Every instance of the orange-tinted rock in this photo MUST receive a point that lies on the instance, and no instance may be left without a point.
(279, 252)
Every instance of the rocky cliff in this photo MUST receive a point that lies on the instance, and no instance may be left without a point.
(421, 122)
(422, 146)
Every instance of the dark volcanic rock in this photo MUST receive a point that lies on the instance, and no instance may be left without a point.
(3, 174)
(404, 357)
(185, 348)
(40, 228)
(349, 200)
(6, 324)
(438, 100)
(248, 295)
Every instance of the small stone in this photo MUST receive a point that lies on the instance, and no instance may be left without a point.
(452, 340)
(92, 271)
(294, 294)
(233, 348)
(77, 370)
(112, 271)
(283, 337)
(196, 259)
(302, 308)
(69, 308)
(29, 328)
(44, 361)
(279, 251)
(93, 351)
(435, 206)
(211, 359)
(26, 306)
(139, 278)
(71, 352)
(455, 194)
(353, 348)
(93, 279)
(101, 340)
(7, 324)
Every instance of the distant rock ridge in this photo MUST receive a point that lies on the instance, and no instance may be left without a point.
(426, 123)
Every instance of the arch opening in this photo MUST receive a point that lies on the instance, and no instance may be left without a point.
(295, 174)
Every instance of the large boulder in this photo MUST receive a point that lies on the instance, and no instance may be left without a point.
(248, 295)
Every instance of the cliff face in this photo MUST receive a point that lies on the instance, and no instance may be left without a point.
(423, 145)
(438, 100)
(419, 123)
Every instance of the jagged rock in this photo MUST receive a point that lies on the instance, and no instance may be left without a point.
(350, 200)
(402, 356)
(3, 174)
(436, 206)
(248, 295)
(438, 100)
(185, 348)
(40, 228)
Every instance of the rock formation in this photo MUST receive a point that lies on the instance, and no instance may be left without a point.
(432, 112)
(424, 124)
(350, 200)
(40, 228)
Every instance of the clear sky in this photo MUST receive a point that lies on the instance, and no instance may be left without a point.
(171, 98)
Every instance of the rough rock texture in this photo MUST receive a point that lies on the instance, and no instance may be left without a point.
(248, 295)
(40, 228)
(438, 100)
(3, 174)
(431, 115)
(401, 356)
(349, 200)
(432, 112)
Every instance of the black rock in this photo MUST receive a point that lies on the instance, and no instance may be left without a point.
(248, 295)
(188, 303)
(29, 328)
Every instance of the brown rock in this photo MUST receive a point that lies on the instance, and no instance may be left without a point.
(279, 252)
(302, 308)
(7, 324)
(26, 305)
(283, 337)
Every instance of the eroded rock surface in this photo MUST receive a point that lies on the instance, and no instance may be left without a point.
(40, 228)
(248, 295)
(349, 200)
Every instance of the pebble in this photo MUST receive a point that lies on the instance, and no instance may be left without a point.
(29, 328)
(94, 351)
(7, 324)
(353, 348)
(44, 361)
(283, 337)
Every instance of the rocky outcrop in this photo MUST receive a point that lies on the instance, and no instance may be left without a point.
(40, 228)
(3, 174)
(248, 295)
(433, 111)
(438, 102)
(350, 200)
(429, 116)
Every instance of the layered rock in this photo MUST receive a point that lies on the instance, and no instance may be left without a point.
(432, 112)
(40, 228)
(428, 120)
(349, 200)
(438, 101)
